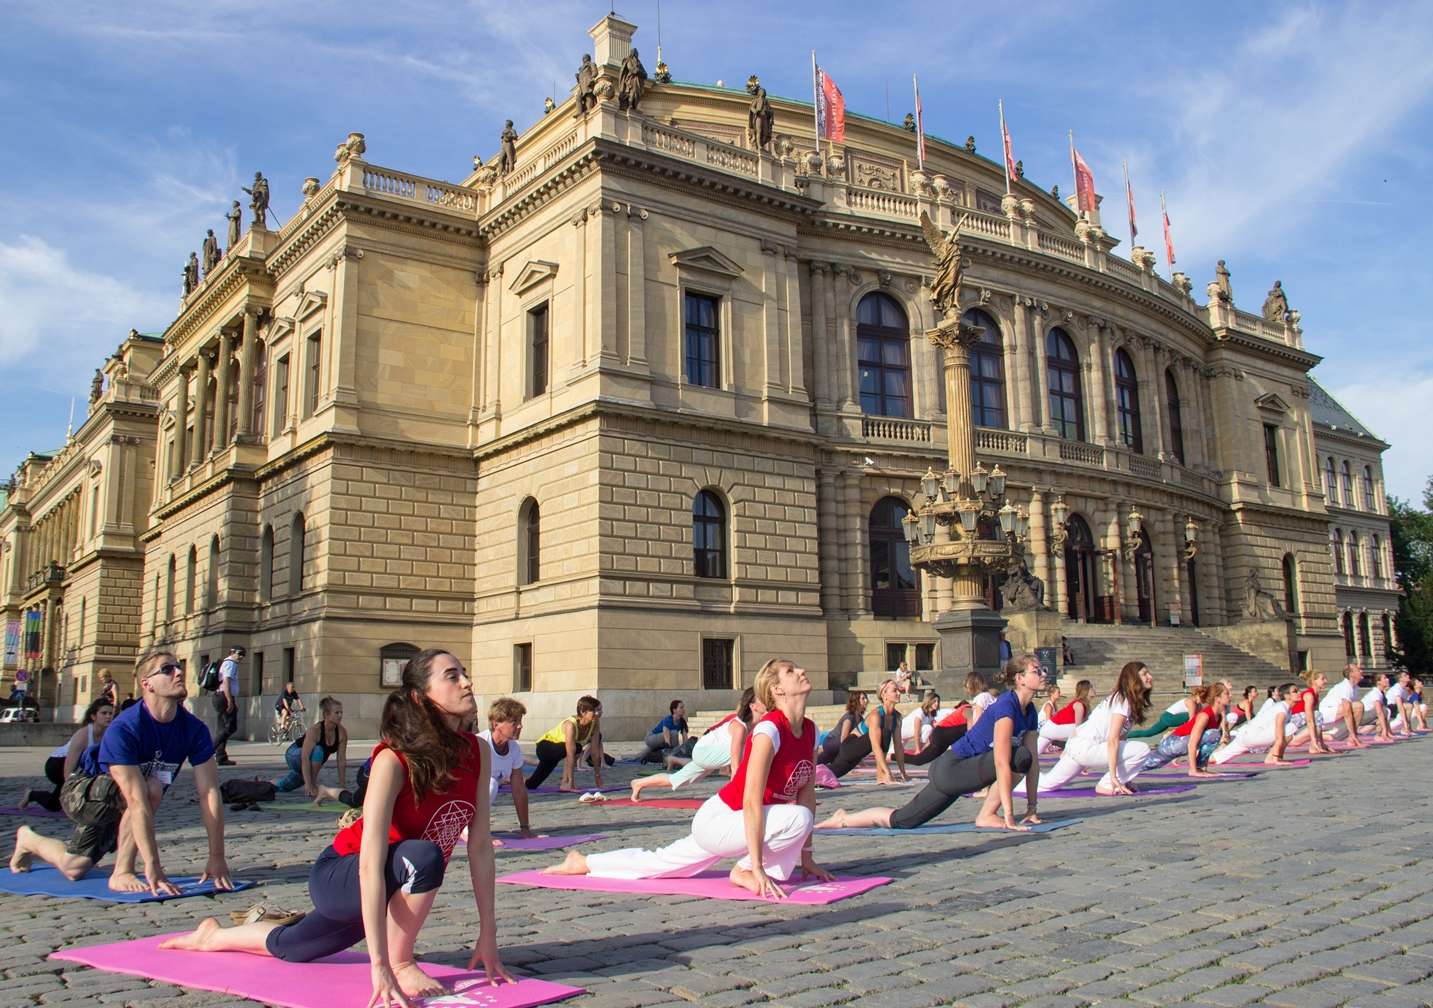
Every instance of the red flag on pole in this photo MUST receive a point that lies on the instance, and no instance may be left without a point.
(1010, 171)
(1168, 241)
(830, 108)
(920, 125)
(1129, 203)
(1084, 184)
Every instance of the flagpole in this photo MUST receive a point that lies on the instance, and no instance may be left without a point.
(815, 104)
(1004, 151)
(1129, 202)
(915, 86)
(1168, 246)
(1075, 172)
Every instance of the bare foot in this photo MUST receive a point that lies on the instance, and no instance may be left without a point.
(1202, 773)
(20, 860)
(989, 821)
(574, 864)
(837, 821)
(416, 983)
(636, 791)
(201, 939)
(128, 882)
(745, 879)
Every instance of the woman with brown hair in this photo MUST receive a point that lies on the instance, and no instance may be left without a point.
(763, 815)
(1099, 743)
(1198, 737)
(1063, 722)
(65, 758)
(718, 748)
(377, 881)
(875, 736)
(1305, 722)
(850, 721)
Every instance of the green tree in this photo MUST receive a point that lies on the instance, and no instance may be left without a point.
(1411, 533)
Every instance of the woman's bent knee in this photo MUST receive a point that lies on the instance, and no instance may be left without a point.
(420, 865)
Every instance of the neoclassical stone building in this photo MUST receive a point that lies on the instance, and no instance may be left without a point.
(648, 408)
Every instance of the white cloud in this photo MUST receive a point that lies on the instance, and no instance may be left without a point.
(1396, 409)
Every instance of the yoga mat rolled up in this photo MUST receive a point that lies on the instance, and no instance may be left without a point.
(46, 881)
(708, 885)
(339, 981)
(965, 827)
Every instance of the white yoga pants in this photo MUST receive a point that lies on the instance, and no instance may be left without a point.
(718, 832)
(1051, 733)
(712, 752)
(1080, 756)
(1245, 740)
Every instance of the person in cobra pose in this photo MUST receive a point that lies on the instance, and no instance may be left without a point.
(1100, 744)
(1198, 737)
(1063, 722)
(1267, 730)
(305, 757)
(65, 758)
(851, 720)
(566, 744)
(1306, 722)
(763, 815)
(882, 730)
(947, 731)
(1000, 748)
(719, 747)
(377, 880)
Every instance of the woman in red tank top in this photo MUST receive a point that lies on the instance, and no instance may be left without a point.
(428, 782)
(1304, 716)
(764, 812)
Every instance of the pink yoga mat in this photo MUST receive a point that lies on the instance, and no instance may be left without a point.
(513, 842)
(710, 885)
(341, 981)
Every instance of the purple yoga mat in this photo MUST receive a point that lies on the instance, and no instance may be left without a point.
(34, 810)
(340, 981)
(710, 885)
(1140, 792)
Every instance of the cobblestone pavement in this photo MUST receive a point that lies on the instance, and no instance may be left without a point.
(1299, 888)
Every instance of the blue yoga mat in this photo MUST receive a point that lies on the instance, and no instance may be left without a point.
(46, 881)
(964, 827)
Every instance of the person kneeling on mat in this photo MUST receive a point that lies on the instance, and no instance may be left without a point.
(113, 794)
(719, 748)
(999, 748)
(377, 881)
(1100, 744)
(1198, 737)
(504, 729)
(65, 758)
(876, 736)
(1267, 730)
(1062, 722)
(763, 815)
(308, 755)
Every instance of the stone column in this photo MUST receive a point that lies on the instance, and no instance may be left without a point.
(829, 531)
(1129, 570)
(1010, 363)
(1114, 560)
(181, 427)
(773, 380)
(221, 393)
(1157, 446)
(343, 335)
(852, 537)
(1169, 564)
(844, 358)
(1038, 545)
(248, 361)
(636, 289)
(1042, 373)
(1057, 585)
(201, 414)
(604, 268)
(1211, 563)
(1099, 397)
(821, 380)
(795, 344)
(1023, 403)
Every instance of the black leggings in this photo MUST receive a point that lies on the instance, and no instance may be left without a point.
(55, 774)
(852, 751)
(941, 739)
(336, 921)
(951, 777)
(549, 754)
(354, 799)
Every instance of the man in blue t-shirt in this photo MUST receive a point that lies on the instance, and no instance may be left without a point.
(127, 773)
(669, 732)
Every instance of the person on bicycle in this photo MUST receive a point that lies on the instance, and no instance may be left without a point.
(288, 702)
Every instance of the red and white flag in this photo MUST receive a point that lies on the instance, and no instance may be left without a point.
(1084, 184)
(1010, 171)
(920, 125)
(1168, 241)
(830, 108)
(1129, 203)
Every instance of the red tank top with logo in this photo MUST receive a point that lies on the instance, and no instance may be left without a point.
(440, 817)
(792, 767)
(1210, 721)
(1066, 714)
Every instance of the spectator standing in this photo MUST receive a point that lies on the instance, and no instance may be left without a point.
(226, 705)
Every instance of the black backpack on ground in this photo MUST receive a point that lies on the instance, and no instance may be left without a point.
(247, 792)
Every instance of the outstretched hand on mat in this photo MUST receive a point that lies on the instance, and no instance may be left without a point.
(485, 954)
(386, 992)
(217, 871)
(159, 884)
(810, 869)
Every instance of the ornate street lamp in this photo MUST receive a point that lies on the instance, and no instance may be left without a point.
(1060, 512)
(1191, 537)
(1136, 534)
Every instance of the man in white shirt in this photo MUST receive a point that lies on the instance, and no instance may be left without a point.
(1340, 710)
(1398, 706)
(1375, 708)
(226, 705)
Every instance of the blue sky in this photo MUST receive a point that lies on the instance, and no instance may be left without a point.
(1292, 139)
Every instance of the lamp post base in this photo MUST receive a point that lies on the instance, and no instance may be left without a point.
(969, 642)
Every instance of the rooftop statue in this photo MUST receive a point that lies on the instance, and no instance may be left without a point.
(507, 157)
(631, 81)
(211, 252)
(586, 87)
(235, 216)
(191, 274)
(1276, 305)
(1221, 280)
(759, 117)
(259, 200)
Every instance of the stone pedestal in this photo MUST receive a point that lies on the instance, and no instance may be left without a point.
(1031, 629)
(969, 641)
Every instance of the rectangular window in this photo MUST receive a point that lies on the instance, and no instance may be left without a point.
(702, 342)
(258, 687)
(312, 374)
(538, 342)
(281, 395)
(925, 657)
(895, 654)
(259, 381)
(717, 663)
(522, 668)
(1271, 453)
(288, 664)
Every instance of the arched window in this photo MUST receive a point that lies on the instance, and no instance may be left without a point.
(169, 590)
(529, 543)
(894, 589)
(1330, 481)
(1176, 418)
(1365, 638)
(883, 356)
(1355, 558)
(1291, 585)
(190, 574)
(1067, 406)
(1127, 402)
(1336, 545)
(297, 535)
(987, 372)
(266, 564)
(1375, 554)
(211, 591)
(708, 535)
(1368, 489)
(1349, 648)
(1347, 485)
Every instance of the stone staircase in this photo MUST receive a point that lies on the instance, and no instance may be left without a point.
(1100, 650)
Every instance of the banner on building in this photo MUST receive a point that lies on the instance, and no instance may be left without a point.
(1193, 671)
(12, 643)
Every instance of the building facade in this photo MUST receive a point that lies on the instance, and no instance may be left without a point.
(647, 407)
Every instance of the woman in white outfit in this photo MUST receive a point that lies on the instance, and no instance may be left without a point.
(1340, 708)
(763, 815)
(1062, 722)
(1099, 743)
(916, 726)
(1268, 730)
(718, 748)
